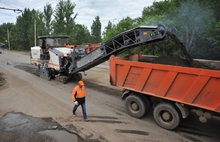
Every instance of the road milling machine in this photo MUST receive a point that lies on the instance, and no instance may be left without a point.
(63, 63)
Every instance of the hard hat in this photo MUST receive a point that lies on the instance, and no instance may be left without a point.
(81, 83)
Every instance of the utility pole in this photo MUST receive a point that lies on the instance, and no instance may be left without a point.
(35, 32)
(8, 39)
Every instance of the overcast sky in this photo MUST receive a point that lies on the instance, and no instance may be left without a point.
(107, 10)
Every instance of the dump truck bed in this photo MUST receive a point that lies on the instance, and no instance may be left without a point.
(192, 86)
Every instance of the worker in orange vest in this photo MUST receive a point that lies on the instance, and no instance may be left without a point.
(79, 98)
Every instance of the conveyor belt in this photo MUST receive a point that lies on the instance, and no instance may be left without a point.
(115, 46)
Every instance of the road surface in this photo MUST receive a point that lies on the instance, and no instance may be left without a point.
(21, 90)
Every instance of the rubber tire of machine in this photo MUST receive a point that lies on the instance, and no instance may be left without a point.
(135, 106)
(163, 110)
(77, 76)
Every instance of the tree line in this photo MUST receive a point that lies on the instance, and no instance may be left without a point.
(57, 21)
(195, 22)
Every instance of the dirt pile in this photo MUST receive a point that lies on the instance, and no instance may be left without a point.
(169, 60)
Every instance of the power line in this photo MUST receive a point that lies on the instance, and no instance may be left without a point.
(15, 10)
(37, 3)
(6, 4)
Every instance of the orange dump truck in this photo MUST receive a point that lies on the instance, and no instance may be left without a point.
(171, 91)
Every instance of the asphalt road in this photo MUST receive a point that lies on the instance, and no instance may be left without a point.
(23, 91)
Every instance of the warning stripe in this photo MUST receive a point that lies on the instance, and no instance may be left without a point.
(49, 63)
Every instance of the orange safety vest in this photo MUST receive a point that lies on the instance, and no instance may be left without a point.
(78, 92)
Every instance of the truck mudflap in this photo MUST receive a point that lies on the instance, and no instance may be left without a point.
(183, 109)
(125, 93)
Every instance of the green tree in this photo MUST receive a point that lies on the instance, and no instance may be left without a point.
(23, 34)
(48, 12)
(70, 21)
(5, 30)
(197, 23)
(125, 24)
(158, 8)
(24, 28)
(96, 30)
(108, 31)
(81, 34)
(38, 21)
(59, 19)
(41, 26)
(63, 22)
(194, 21)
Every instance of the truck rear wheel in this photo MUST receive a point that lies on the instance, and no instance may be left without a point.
(148, 104)
(167, 116)
(135, 106)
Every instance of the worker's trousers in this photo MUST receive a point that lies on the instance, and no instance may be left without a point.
(83, 106)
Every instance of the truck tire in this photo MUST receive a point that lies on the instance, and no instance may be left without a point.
(148, 104)
(135, 106)
(167, 116)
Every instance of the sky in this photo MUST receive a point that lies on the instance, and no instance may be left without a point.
(107, 10)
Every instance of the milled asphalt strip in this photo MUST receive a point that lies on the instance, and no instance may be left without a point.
(39, 82)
